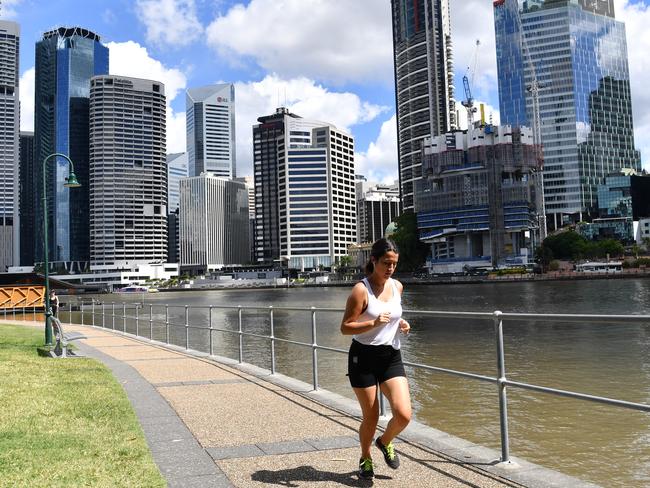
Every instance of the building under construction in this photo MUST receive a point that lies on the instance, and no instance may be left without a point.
(476, 199)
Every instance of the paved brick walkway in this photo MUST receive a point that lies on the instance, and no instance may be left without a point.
(214, 423)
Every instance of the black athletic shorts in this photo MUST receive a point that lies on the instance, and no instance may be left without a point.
(372, 365)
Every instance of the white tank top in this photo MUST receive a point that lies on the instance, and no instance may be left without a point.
(386, 334)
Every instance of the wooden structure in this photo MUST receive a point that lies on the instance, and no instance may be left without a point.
(22, 296)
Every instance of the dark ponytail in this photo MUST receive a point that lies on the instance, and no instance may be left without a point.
(379, 248)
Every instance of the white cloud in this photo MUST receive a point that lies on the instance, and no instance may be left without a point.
(169, 22)
(472, 20)
(379, 162)
(8, 10)
(637, 18)
(131, 59)
(303, 97)
(26, 85)
(330, 40)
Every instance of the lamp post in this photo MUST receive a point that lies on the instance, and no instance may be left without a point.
(71, 182)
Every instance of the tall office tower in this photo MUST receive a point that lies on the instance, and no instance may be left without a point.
(304, 191)
(128, 172)
(210, 112)
(176, 169)
(377, 206)
(26, 200)
(424, 83)
(9, 129)
(250, 187)
(66, 60)
(213, 223)
(577, 53)
(478, 198)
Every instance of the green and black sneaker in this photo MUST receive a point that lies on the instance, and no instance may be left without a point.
(390, 456)
(365, 468)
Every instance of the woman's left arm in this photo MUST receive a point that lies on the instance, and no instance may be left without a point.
(404, 326)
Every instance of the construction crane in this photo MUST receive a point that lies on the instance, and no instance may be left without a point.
(468, 103)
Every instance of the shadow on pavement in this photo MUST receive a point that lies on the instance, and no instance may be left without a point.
(289, 477)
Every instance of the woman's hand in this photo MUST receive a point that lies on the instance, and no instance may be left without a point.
(404, 327)
(383, 319)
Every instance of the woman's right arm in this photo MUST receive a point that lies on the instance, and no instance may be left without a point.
(354, 308)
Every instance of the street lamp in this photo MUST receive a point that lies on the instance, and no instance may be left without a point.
(71, 182)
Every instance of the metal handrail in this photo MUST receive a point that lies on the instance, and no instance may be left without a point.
(496, 317)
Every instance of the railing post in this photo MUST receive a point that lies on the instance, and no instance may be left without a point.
(81, 308)
(187, 327)
(123, 318)
(501, 378)
(241, 335)
(314, 349)
(151, 321)
(210, 331)
(272, 341)
(103, 316)
(167, 323)
(34, 314)
(137, 319)
(113, 313)
(93, 310)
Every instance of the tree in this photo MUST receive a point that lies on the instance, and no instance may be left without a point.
(412, 252)
(543, 257)
(345, 261)
(567, 245)
(646, 243)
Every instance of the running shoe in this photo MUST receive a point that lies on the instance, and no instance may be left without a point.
(390, 456)
(365, 468)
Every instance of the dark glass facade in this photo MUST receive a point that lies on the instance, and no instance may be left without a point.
(579, 55)
(27, 189)
(66, 60)
(268, 142)
(624, 196)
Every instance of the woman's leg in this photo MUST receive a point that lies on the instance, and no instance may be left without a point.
(370, 410)
(397, 391)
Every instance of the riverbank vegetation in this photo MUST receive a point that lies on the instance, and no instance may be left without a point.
(573, 246)
(66, 422)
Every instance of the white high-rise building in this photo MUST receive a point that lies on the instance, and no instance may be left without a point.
(304, 191)
(128, 173)
(213, 223)
(210, 120)
(9, 133)
(377, 206)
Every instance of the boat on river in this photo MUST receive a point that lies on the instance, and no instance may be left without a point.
(137, 289)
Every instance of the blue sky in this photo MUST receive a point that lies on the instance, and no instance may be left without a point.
(326, 59)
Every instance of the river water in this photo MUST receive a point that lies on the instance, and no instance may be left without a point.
(606, 445)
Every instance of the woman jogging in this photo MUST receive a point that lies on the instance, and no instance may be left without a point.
(373, 316)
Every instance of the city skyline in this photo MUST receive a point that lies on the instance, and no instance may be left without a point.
(193, 43)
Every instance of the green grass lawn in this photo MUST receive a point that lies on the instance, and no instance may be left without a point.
(65, 422)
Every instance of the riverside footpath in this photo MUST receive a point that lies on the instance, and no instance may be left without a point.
(213, 422)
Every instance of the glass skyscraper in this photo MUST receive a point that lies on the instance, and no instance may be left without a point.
(66, 60)
(577, 52)
(424, 83)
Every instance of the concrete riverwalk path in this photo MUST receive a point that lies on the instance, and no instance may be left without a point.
(211, 422)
